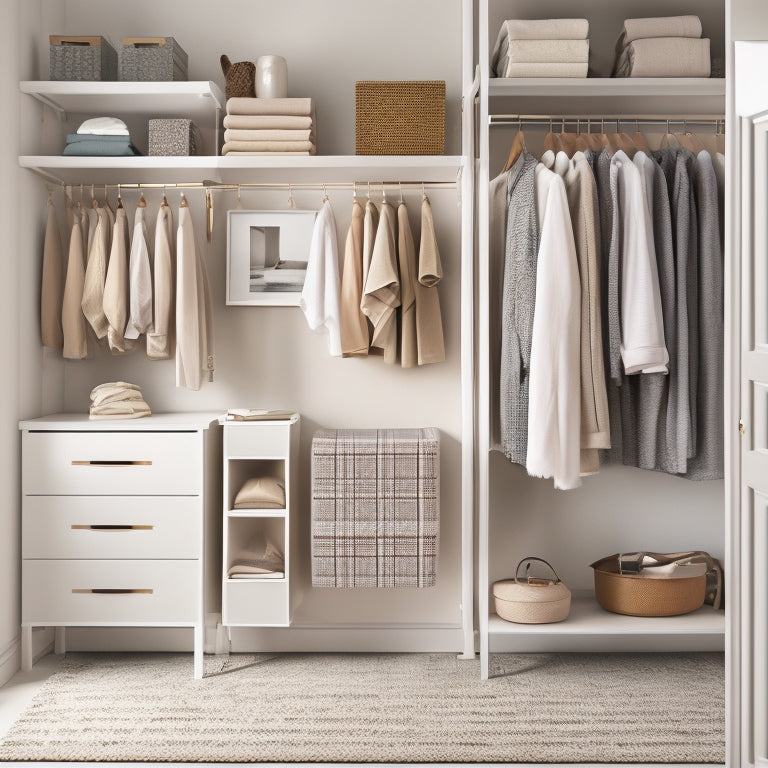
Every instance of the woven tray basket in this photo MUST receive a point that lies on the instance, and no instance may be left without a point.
(403, 117)
(634, 595)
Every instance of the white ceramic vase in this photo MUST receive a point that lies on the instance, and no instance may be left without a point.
(271, 77)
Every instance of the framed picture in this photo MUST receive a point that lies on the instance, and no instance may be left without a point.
(267, 254)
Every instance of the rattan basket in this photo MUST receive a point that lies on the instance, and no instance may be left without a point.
(403, 117)
(634, 595)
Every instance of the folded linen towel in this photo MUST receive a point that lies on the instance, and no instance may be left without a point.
(659, 26)
(236, 152)
(133, 409)
(256, 122)
(98, 148)
(240, 105)
(104, 126)
(268, 146)
(551, 51)
(538, 29)
(260, 558)
(261, 493)
(547, 69)
(664, 57)
(267, 134)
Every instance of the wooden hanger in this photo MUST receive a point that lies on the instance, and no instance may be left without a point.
(518, 145)
(552, 142)
(142, 202)
(640, 142)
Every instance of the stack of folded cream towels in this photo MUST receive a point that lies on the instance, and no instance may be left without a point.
(542, 48)
(117, 400)
(256, 126)
(664, 46)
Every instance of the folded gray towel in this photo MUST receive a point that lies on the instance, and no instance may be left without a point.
(664, 57)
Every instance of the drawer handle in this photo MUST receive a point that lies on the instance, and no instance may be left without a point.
(113, 527)
(118, 463)
(112, 591)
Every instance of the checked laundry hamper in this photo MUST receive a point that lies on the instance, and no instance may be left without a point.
(375, 507)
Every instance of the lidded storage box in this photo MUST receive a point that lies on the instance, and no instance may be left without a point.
(532, 600)
(173, 136)
(82, 58)
(152, 59)
(405, 117)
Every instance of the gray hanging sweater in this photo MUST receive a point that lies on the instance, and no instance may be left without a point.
(518, 304)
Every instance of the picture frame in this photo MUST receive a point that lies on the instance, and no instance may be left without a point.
(267, 255)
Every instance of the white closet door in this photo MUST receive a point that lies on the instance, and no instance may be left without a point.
(750, 635)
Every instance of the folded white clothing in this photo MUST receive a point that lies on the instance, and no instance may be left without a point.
(111, 416)
(104, 126)
(124, 406)
(664, 57)
(260, 414)
(235, 152)
(235, 573)
(111, 385)
(116, 396)
(547, 69)
(267, 134)
(257, 122)
(239, 105)
(538, 29)
(546, 51)
(261, 493)
(268, 146)
(659, 26)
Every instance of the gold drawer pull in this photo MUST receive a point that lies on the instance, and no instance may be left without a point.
(112, 591)
(118, 463)
(113, 527)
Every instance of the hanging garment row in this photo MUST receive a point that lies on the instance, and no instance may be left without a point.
(115, 290)
(384, 300)
(609, 317)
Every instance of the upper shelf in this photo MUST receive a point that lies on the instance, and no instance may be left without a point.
(197, 100)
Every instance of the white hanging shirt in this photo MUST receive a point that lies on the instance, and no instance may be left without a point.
(140, 284)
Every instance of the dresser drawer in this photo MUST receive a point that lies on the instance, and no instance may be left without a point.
(256, 441)
(140, 592)
(103, 527)
(256, 603)
(112, 463)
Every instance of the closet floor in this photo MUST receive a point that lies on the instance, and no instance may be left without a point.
(386, 708)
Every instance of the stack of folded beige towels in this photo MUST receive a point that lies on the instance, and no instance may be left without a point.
(256, 126)
(542, 48)
(117, 400)
(663, 46)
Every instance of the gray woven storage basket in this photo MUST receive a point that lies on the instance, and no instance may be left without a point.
(153, 59)
(82, 58)
(173, 136)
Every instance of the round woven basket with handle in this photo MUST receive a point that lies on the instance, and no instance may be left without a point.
(532, 600)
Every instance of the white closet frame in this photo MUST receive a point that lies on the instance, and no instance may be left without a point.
(588, 628)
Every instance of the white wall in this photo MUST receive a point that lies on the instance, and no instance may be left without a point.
(749, 20)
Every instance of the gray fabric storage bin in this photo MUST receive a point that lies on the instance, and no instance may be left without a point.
(82, 58)
(152, 59)
(173, 136)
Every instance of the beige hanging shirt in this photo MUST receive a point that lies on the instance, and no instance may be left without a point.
(140, 281)
(408, 278)
(72, 318)
(51, 288)
(381, 295)
(370, 225)
(160, 342)
(429, 323)
(354, 326)
(116, 284)
(95, 275)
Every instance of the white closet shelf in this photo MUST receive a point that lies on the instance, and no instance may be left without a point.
(607, 86)
(232, 170)
(197, 100)
(587, 618)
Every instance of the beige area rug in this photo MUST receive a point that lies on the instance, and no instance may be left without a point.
(377, 708)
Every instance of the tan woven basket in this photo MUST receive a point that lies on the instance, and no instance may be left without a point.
(634, 595)
(404, 117)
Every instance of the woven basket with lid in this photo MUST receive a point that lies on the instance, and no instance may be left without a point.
(530, 600)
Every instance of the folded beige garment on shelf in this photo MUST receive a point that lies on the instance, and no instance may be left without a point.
(255, 122)
(289, 106)
(261, 493)
(537, 29)
(268, 146)
(659, 26)
(665, 57)
(546, 69)
(268, 134)
(546, 51)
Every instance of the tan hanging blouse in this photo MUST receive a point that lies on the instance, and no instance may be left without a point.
(72, 318)
(95, 275)
(429, 323)
(354, 326)
(408, 278)
(51, 288)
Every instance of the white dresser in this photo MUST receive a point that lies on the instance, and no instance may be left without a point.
(119, 523)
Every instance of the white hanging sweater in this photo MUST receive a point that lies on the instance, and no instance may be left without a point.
(554, 410)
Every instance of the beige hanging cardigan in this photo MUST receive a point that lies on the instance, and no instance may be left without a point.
(429, 323)
(408, 278)
(194, 339)
(354, 326)
(370, 225)
(72, 318)
(95, 275)
(381, 295)
(116, 284)
(160, 342)
(140, 281)
(51, 288)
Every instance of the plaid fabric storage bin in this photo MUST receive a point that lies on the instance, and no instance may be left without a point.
(153, 59)
(82, 58)
(375, 507)
(173, 136)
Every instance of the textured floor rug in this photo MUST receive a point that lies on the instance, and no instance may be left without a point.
(377, 708)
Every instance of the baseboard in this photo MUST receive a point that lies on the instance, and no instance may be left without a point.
(10, 660)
